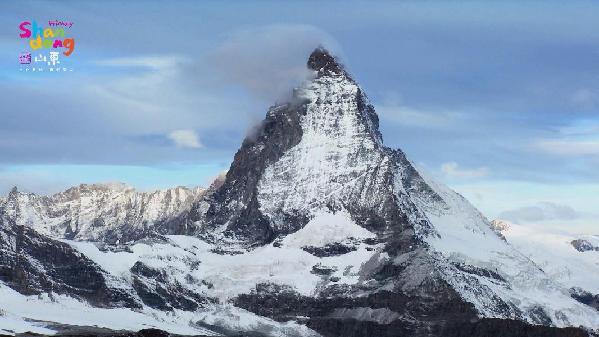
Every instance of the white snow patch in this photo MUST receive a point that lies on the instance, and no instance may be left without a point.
(326, 228)
(116, 263)
(241, 320)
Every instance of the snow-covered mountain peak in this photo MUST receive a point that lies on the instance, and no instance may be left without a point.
(337, 94)
(13, 190)
(323, 63)
(318, 145)
(15, 193)
(108, 186)
(324, 153)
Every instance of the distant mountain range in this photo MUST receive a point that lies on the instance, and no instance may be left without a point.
(111, 213)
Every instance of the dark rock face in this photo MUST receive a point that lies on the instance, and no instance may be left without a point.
(77, 331)
(409, 313)
(479, 271)
(324, 63)
(157, 291)
(331, 249)
(507, 328)
(585, 297)
(387, 314)
(31, 264)
(323, 270)
(583, 245)
(236, 200)
(329, 327)
(486, 327)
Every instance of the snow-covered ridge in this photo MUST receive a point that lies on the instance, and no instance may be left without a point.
(492, 274)
(100, 212)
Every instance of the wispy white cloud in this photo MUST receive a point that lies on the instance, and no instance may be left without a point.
(580, 138)
(268, 61)
(152, 93)
(185, 138)
(453, 170)
(585, 98)
(581, 128)
(414, 117)
(543, 211)
(574, 204)
(569, 147)
(166, 92)
(394, 110)
(160, 62)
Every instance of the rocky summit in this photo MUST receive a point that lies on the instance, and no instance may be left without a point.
(317, 229)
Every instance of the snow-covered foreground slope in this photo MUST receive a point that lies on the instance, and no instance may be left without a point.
(39, 314)
(21, 313)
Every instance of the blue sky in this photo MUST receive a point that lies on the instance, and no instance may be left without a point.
(498, 100)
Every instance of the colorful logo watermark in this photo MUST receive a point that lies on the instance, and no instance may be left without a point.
(49, 47)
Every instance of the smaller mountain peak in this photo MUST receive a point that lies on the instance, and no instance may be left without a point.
(583, 245)
(323, 62)
(113, 185)
(75, 191)
(14, 193)
(500, 225)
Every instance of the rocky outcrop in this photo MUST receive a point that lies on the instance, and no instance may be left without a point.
(585, 297)
(157, 291)
(235, 201)
(33, 264)
(582, 245)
